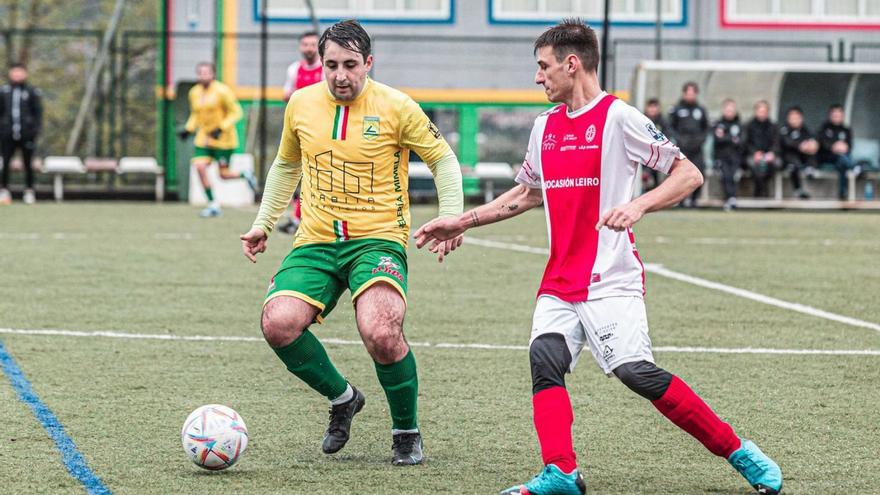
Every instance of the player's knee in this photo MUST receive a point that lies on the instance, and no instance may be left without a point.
(550, 360)
(281, 326)
(644, 378)
(386, 345)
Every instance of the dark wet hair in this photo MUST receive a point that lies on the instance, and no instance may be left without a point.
(348, 34)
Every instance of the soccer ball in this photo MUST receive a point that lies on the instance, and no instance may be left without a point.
(214, 437)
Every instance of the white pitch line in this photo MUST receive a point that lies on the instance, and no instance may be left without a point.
(442, 345)
(701, 282)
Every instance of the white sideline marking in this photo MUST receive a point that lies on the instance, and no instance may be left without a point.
(765, 241)
(442, 345)
(665, 272)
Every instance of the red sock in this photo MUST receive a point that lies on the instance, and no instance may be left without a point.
(297, 209)
(686, 409)
(553, 419)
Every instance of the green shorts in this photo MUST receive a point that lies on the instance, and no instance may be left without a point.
(319, 273)
(222, 157)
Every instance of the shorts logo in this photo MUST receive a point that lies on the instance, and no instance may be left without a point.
(591, 133)
(387, 265)
(271, 285)
(608, 353)
(371, 128)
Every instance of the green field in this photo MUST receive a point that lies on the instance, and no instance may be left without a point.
(158, 269)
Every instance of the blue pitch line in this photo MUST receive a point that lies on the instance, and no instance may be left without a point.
(73, 459)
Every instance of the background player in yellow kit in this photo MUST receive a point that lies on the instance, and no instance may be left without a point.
(214, 110)
(349, 139)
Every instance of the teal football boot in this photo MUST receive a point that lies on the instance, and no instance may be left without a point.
(551, 481)
(759, 470)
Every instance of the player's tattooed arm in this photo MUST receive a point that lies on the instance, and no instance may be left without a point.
(475, 219)
(513, 202)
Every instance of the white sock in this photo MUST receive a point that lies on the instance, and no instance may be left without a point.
(215, 204)
(345, 397)
(400, 432)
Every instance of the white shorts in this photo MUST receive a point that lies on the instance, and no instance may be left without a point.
(616, 328)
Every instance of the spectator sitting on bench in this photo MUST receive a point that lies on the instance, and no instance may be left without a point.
(727, 151)
(762, 147)
(835, 139)
(799, 149)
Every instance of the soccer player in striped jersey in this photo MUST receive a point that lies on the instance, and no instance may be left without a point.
(581, 163)
(348, 139)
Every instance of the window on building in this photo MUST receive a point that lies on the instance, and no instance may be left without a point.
(803, 11)
(591, 10)
(396, 10)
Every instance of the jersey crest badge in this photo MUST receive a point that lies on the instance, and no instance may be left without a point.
(591, 133)
(371, 128)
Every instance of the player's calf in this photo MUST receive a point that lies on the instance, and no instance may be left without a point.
(550, 360)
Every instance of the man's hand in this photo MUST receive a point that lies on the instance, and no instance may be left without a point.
(621, 217)
(253, 243)
(437, 231)
(443, 248)
(840, 148)
(184, 134)
(215, 134)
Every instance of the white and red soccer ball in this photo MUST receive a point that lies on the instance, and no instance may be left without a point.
(214, 437)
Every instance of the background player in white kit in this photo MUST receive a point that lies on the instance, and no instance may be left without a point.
(582, 161)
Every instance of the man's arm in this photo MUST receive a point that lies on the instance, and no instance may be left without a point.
(684, 177)
(290, 82)
(510, 204)
(38, 110)
(447, 180)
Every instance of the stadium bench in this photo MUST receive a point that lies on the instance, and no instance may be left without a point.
(96, 164)
(491, 173)
(144, 165)
(59, 166)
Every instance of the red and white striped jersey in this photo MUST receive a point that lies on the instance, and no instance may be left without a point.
(587, 162)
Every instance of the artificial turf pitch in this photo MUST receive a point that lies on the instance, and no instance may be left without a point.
(158, 269)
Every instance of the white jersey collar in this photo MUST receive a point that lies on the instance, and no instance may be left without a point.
(586, 108)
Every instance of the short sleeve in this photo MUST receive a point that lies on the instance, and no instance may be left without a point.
(419, 134)
(289, 149)
(530, 173)
(290, 82)
(645, 144)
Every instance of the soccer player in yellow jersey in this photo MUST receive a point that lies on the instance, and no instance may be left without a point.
(214, 110)
(348, 139)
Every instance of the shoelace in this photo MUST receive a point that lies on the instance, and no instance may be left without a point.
(751, 465)
(337, 418)
(404, 440)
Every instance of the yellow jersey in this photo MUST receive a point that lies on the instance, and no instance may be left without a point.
(214, 107)
(355, 161)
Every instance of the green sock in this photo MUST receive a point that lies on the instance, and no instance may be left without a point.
(209, 193)
(401, 384)
(306, 358)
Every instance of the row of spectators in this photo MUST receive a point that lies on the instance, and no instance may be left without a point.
(759, 147)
